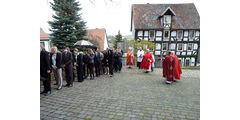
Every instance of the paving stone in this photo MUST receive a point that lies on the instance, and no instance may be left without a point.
(131, 94)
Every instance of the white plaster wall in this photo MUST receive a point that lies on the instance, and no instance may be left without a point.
(105, 43)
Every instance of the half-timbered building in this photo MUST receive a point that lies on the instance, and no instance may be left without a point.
(171, 27)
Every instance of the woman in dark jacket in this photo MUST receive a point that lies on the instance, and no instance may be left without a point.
(80, 67)
(110, 62)
(91, 63)
(105, 62)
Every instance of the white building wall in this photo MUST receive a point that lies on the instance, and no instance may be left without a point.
(105, 43)
(47, 45)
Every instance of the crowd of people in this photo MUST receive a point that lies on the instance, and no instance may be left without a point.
(95, 63)
(86, 64)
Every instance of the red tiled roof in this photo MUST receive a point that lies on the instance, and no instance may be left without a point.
(97, 35)
(43, 35)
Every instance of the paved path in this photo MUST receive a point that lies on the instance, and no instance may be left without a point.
(129, 95)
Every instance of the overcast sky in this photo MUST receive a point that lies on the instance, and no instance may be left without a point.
(112, 16)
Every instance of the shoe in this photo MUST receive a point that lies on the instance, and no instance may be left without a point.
(47, 93)
(42, 92)
(70, 85)
(146, 72)
(59, 88)
(110, 75)
(55, 84)
(67, 85)
(168, 82)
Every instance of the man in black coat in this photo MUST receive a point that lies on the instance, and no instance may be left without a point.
(115, 63)
(80, 67)
(98, 62)
(68, 66)
(45, 71)
(85, 61)
(119, 59)
(110, 62)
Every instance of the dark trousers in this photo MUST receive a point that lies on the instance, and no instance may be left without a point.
(80, 73)
(90, 66)
(84, 69)
(47, 84)
(97, 69)
(139, 65)
(119, 66)
(111, 69)
(101, 69)
(69, 74)
(73, 75)
(115, 66)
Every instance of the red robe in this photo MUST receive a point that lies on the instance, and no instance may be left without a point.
(171, 67)
(145, 62)
(130, 59)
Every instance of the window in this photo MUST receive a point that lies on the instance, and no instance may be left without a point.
(180, 34)
(42, 43)
(151, 35)
(195, 46)
(167, 19)
(191, 34)
(157, 52)
(172, 46)
(145, 33)
(166, 34)
(140, 33)
(185, 33)
(187, 62)
(164, 47)
(190, 47)
(158, 46)
(173, 33)
(180, 47)
(197, 33)
(159, 33)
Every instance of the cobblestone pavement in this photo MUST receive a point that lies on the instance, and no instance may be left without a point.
(129, 95)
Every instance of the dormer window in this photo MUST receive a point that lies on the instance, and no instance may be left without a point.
(167, 21)
(167, 17)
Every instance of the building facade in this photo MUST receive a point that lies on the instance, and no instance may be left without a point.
(44, 40)
(173, 27)
(98, 37)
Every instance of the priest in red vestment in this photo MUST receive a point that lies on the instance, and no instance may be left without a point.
(147, 61)
(130, 58)
(171, 67)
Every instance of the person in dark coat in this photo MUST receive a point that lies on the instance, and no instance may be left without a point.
(110, 62)
(68, 66)
(105, 62)
(98, 62)
(85, 61)
(55, 63)
(115, 61)
(80, 67)
(74, 55)
(119, 60)
(45, 70)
